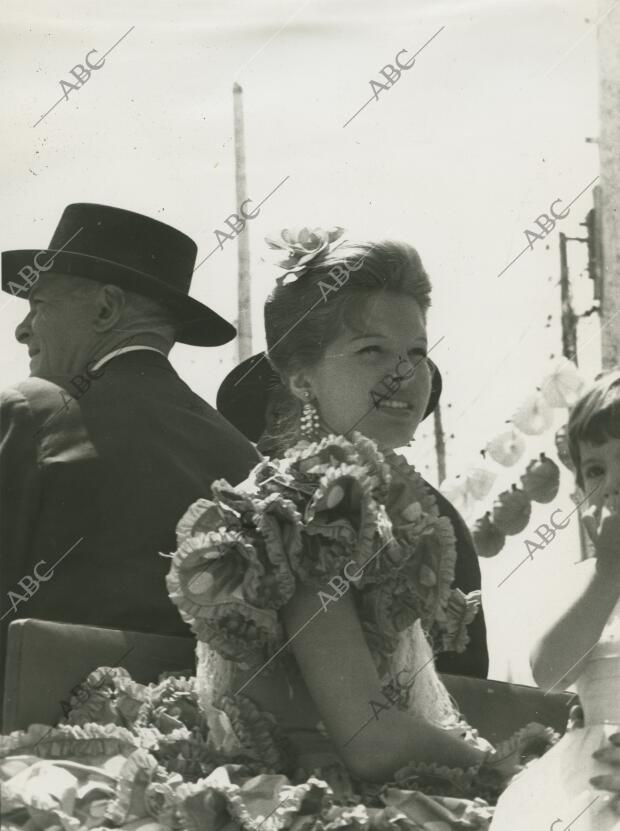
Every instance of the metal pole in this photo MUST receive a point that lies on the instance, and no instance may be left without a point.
(244, 301)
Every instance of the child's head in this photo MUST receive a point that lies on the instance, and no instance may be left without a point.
(594, 439)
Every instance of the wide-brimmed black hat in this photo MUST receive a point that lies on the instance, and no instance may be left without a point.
(126, 249)
(243, 395)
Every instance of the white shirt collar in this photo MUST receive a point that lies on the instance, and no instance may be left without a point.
(121, 351)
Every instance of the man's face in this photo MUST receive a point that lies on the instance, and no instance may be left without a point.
(58, 330)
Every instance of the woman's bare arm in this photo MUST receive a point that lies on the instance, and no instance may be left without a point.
(340, 674)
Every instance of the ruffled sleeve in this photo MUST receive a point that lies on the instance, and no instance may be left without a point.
(332, 509)
(423, 587)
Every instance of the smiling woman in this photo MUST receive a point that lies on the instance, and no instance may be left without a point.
(334, 509)
(344, 346)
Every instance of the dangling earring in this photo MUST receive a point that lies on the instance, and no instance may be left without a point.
(310, 420)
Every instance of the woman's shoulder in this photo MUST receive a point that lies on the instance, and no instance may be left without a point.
(333, 507)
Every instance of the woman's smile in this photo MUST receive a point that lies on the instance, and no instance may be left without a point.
(396, 408)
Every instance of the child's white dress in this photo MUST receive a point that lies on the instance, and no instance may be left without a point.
(556, 787)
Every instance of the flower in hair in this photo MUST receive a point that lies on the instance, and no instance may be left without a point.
(302, 246)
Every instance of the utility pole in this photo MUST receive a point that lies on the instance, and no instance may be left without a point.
(568, 317)
(440, 445)
(244, 299)
(609, 151)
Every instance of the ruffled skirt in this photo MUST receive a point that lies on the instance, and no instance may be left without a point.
(94, 776)
(154, 758)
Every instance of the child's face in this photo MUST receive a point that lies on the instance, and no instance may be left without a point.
(600, 471)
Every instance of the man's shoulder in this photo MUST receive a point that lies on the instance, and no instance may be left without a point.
(40, 409)
(33, 394)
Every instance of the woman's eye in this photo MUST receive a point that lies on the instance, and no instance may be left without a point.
(367, 350)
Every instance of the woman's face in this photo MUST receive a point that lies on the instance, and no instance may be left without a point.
(600, 472)
(353, 384)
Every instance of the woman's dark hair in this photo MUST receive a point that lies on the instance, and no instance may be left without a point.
(304, 316)
(595, 418)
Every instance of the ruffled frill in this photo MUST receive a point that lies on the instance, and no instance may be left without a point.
(163, 769)
(334, 512)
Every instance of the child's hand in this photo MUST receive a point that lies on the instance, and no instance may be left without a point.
(610, 781)
(603, 528)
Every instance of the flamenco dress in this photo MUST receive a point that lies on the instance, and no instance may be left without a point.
(241, 745)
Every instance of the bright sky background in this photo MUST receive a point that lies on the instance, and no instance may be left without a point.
(458, 157)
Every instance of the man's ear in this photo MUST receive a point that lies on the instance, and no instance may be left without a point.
(111, 302)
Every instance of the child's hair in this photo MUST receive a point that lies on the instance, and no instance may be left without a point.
(304, 316)
(595, 418)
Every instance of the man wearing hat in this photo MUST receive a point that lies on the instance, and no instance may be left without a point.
(104, 446)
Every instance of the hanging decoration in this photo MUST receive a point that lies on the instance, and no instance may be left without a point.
(541, 480)
(506, 448)
(534, 416)
(511, 511)
(488, 539)
(455, 490)
(563, 385)
(479, 481)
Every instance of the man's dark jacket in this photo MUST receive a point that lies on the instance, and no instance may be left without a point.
(114, 470)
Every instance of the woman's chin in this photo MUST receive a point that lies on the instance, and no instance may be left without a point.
(390, 439)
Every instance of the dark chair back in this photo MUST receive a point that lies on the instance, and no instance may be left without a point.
(45, 660)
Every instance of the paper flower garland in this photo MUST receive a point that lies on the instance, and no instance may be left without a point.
(479, 481)
(456, 491)
(534, 416)
(563, 385)
(541, 480)
(506, 448)
(488, 539)
(511, 511)
(560, 387)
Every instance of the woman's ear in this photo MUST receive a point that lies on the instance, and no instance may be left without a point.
(300, 384)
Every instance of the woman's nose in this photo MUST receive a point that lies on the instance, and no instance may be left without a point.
(406, 367)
